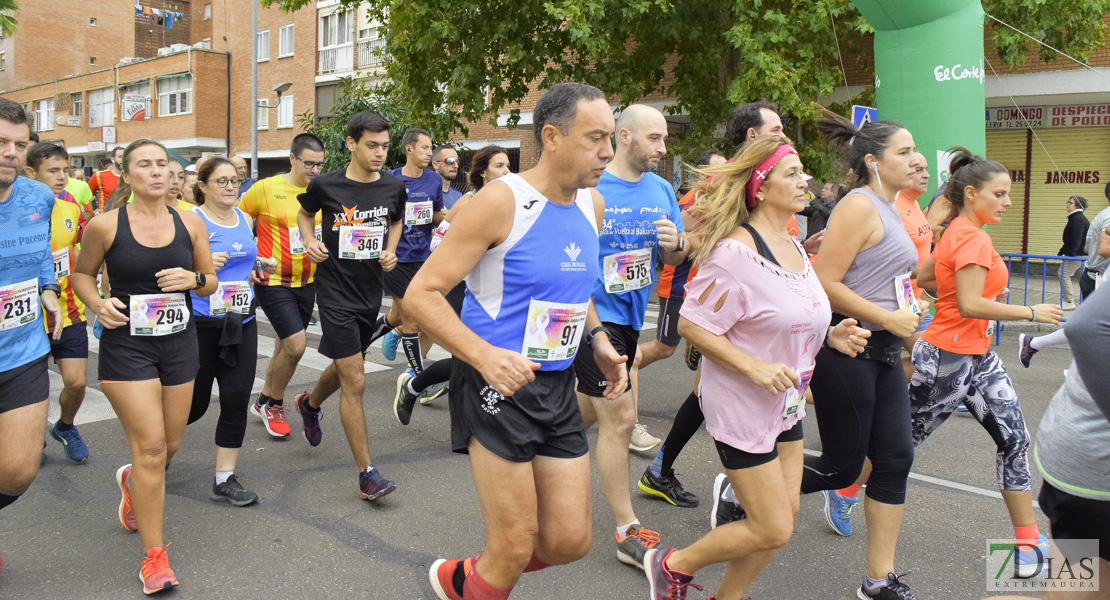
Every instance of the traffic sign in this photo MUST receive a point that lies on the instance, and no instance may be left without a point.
(863, 114)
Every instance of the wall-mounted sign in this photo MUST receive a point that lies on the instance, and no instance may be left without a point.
(1068, 115)
(108, 135)
(66, 121)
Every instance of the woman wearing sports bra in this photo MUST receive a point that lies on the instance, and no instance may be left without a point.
(148, 351)
(862, 403)
(758, 314)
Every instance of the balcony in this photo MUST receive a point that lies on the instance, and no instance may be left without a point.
(337, 59)
(371, 53)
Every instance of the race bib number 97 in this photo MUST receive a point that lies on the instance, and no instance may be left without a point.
(158, 314)
(627, 271)
(19, 304)
(553, 330)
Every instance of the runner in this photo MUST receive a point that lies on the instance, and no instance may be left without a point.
(755, 295)
(953, 361)
(103, 183)
(642, 224)
(175, 181)
(286, 296)
(516, 418)
(188, 185)
(423, 213)
(243, 172)
(445, 161)
(148, 351)
(862, 402)
(27, 278)
(47, 163)
(227, 332)
(489, 163)
(357, 206)
(81, 192)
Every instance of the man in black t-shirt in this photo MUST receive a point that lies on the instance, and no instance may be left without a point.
(362, 208)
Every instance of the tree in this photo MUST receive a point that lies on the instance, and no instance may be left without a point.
(466, 60)
(7, 21)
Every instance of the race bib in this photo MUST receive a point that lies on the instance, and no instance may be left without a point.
(19, 304)
(158, 314)
(418, 213)
(361, 242)
(296, 242)
(61, 263)
(904, 292)
(795, 397)
(231, 297)
(990, 329)
(627, 271)
(553, 330)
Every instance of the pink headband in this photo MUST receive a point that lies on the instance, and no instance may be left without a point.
(763, 170)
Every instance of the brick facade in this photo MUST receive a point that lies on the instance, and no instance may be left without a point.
(150, 35)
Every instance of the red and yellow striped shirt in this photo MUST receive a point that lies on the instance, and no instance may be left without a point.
(272, 202)
(65, 222)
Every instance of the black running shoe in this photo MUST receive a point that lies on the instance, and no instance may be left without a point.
(894, 590)
(724, 510)
(231, 491)
(403, 400)
(668, 488)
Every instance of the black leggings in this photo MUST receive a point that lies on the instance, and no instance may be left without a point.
(437, 372)
(863, 410)
(686, 423)
(235, 382)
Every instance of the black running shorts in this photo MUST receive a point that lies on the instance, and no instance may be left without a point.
(591, 381)
(345, 333)
(288, 309)
(666, 329)
(734, 458)
(172, 359)
(24, 385)
(541, 419)
(1074, 518)
(74, 343)
(397, 281)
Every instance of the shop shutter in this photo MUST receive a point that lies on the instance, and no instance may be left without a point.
(1008, 148)
(1082, 155)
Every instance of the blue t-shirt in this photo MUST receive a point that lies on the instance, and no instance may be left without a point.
(238, 241)
(28, 265)
(246, 185)
(450, 197)
(631, 208)
(416, 240)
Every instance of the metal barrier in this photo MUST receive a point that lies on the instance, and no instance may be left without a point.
(1051, 289)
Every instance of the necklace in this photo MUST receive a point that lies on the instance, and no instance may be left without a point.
(213, 213)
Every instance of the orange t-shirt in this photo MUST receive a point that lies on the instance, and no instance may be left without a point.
(918, 227)
(961, 245)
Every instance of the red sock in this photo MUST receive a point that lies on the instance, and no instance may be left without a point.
(476, 588)
(1027, 534)
(851, 491)
(535, 564)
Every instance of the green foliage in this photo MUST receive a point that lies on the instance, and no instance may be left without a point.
(455, 62)
(7, 21)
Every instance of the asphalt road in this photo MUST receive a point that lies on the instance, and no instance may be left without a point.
(312, 537)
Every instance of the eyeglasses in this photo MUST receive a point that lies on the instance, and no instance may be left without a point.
(450, 160)
(310, 165)
(225, 182)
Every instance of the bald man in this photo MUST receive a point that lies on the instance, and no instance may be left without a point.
(642, 224)
(244, 174)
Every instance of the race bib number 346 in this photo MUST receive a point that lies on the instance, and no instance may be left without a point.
(361, 242)
(19, 304)
(627, 271)
(553, 330)
(158, 314)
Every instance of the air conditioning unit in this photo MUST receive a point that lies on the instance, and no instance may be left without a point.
(129, 59)
(204, 45)
(179, 47)
(165, 51)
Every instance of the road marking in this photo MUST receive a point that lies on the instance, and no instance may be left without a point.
(95, 407)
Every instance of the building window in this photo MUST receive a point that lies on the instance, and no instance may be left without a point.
(285, 112)
(3, 60)
(263, 45)
(263, 118)
(75, 104)
(135, 102)
(285, 41)
(175, 96)
(207, 11)
(102, 107)
(92, 61)
(335, 30)
(44, 115)
(92, 21)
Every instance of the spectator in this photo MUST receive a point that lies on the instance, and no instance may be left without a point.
(1075, 244)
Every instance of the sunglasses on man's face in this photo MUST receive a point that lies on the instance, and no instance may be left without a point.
(450, 160)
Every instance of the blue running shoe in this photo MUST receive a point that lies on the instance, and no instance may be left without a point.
(1025, 349)
(371, 484)
(72, 443)
(1030, 562)
(311, 419)
(838, 511)
(389, 345)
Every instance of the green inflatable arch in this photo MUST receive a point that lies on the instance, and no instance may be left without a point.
(929, 73)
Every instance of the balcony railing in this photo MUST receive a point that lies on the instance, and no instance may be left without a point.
(337, 59)
(371, 53)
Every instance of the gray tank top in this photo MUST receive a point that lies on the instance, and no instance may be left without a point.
(872, 272)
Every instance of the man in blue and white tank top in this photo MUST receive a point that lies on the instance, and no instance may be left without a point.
(528, 247)
(26, 278)
(643, 223)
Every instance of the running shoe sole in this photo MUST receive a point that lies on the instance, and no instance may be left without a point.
(399, 397)
(718, 484)
(829, 511)
(213, 496)
(381, 493)
(169, 585)
(123, 490)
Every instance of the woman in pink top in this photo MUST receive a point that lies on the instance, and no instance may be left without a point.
(755, 295)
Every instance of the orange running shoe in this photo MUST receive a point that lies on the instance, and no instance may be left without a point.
(126, 515)
(156, 573)
(447, 576)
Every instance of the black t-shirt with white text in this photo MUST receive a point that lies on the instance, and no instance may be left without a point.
(349, 208)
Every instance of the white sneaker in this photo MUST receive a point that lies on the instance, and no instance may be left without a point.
(1068, 306)
(642, 442)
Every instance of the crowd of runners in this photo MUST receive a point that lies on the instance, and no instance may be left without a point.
(538, 284)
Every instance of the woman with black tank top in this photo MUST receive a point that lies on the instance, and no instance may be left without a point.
(862, 402)
(758, 314)
(148, 351)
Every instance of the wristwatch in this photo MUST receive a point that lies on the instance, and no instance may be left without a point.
(201, 279)
(595, 331)
(681, 244)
